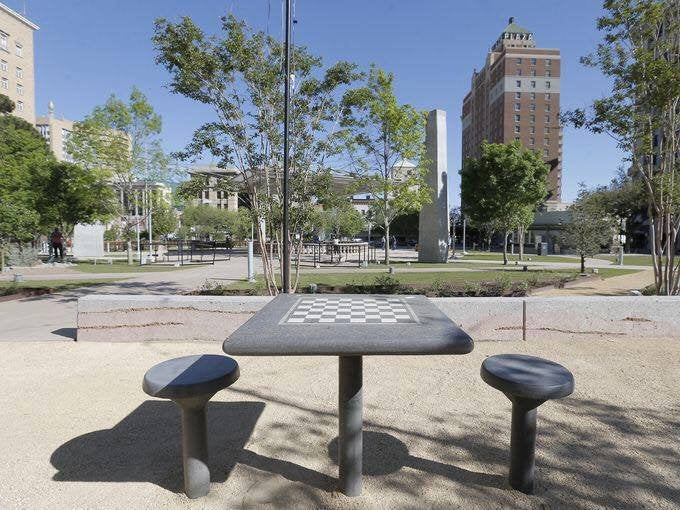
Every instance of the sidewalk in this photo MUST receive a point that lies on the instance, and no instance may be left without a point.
(614, 286)
(53, 316)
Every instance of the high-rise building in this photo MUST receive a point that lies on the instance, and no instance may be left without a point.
(17, 78)
(56, 132)
(516, 96)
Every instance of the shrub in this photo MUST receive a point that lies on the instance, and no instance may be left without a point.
(23, 255)
(386, 284)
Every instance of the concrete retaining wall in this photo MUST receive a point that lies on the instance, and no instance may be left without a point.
(134, 318)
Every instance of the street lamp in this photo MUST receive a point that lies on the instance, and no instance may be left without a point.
(285, 277)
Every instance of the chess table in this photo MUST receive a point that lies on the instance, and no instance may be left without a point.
(348, 326)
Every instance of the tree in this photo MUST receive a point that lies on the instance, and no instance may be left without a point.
(238, 75)
(164, 218)
(342, 219)
(641, 55)
(122, 140)
(590, 226)
(74, 195)
(17, 223)
(6, 104)
(503, 187)
(383, 136)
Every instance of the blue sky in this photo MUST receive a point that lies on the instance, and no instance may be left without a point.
(88, 49)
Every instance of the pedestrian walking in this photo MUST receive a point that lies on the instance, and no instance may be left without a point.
(57, 240)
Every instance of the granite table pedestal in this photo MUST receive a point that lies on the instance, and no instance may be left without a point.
(350, 327)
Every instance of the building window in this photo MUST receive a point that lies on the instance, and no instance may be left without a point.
(532, 130)
(548, 74)
(518, 95)
(4, 83)
(655, 141)
(519, 72)
(546, 141)
(532, 118)
(19, 50)
(517, 106)
(547, 107)
(533, 61)
(547, 119)
(532, 106)
(3, 65)
(20, 72)
(20, 89)
(3, 40)
(517, 138)
(517, 117)
(547, 96)
(518, 83)
(533, 96)
(532, 141)
(207, 194)
(20, 106)
(545, 153)
(516, 128)
(519, 61)
(533, 72)
(533, 84)
(547, 130)
(547, 84)
(548, 62)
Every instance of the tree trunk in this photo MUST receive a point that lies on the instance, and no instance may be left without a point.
(387, 244)
(520, 237)
(505, 247)
(583, 264)
(128, 248)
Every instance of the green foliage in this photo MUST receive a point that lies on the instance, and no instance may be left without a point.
(203, 221)
(503, 187)
(6, 104)
(164, 219)
(640, 54)
(75, 195)
(342, 220)
(238, 75)
(121, 141)
(382, 135)
(590, 227)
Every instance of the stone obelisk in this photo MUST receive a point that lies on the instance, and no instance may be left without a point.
(433, 239)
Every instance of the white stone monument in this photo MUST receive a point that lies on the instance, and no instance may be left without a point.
(88, 240)
(433, 237)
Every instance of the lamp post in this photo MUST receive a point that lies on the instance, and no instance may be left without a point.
(285, 277)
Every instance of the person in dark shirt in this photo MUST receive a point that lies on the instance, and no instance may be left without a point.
(57, 240)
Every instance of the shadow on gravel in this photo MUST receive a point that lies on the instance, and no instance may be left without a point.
(146, 446)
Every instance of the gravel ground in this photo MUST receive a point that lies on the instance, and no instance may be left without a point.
(78, 432)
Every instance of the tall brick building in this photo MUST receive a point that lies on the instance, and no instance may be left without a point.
(516, 96)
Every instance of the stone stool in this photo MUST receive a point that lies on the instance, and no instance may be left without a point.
(190, 382)
(527, 381)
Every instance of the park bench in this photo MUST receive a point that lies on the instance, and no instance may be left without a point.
(528, 382)
(190, 382)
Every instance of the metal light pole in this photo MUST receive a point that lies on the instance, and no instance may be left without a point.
(285, 277)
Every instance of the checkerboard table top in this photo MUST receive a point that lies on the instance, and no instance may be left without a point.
(354, 324)
(350, 310)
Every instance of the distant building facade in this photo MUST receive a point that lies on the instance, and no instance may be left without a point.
(516, 96)
(17, 77)
(210, 195)
(56, 132)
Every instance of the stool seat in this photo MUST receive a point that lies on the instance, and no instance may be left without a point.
(190, 376)
(530, 377)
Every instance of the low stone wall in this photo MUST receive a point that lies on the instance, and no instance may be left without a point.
(134, 318)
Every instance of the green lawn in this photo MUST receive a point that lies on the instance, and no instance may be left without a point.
(54, 285)
(428, 278)
(485, 255)
(628, 260)
(121, 266)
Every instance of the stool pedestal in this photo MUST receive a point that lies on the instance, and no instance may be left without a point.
(523, 444)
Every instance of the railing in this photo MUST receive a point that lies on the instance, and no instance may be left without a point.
(184, 252)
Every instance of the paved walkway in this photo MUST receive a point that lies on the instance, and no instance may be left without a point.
(615, 286)
(53, 316)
